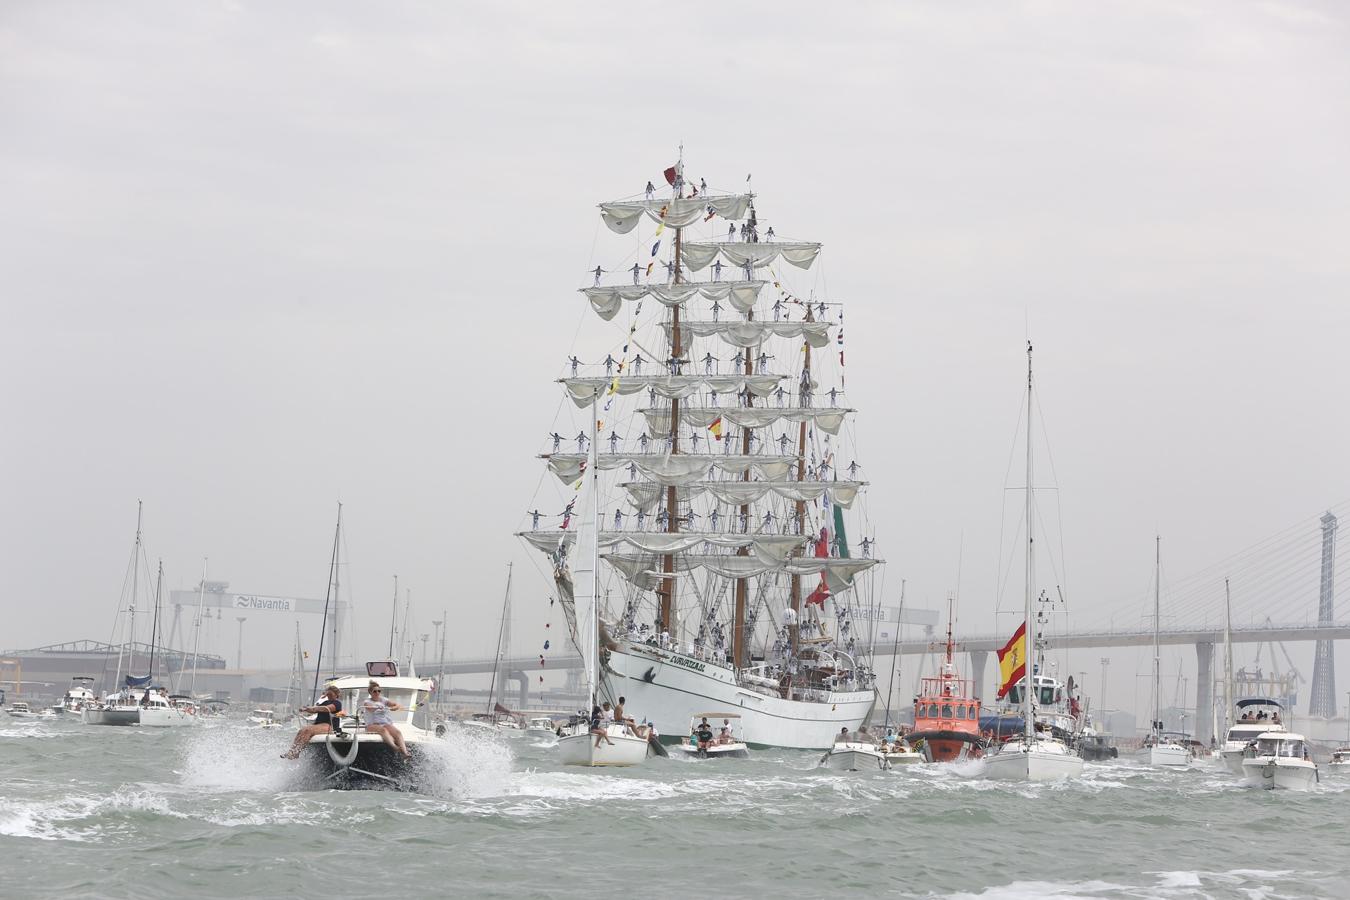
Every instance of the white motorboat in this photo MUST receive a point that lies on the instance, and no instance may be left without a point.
(78, 695)
(263, 718)
(1042, 759)
(898, 752)
(1257, 716)
(496, 723)
(353, 757)
(1281, 760)
(1340, 761)
(21, 710)
(541, 728)
(716, 735)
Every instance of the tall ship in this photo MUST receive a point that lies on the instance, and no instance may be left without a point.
(726, 477)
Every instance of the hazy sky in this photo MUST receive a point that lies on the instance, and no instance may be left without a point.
(260, 258)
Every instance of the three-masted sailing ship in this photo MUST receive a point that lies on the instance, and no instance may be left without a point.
(726, 478)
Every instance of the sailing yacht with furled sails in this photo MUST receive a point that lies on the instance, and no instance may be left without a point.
(729, 579)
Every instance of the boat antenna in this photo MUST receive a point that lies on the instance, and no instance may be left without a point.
(328, 595)
(895, 653)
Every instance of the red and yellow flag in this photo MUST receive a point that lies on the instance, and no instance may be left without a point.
(716, 428)
(1012, 660)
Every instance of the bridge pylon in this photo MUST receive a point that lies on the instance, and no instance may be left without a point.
(1323, 702)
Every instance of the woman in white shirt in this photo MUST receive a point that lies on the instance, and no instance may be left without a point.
(375, 714)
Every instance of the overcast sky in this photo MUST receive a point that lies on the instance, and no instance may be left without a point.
(259, 258)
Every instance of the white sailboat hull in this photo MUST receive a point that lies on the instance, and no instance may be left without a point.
(670, 688)
(160, 717)
(851, 757)
(120, 715)
(580, 750)
(1046, 761)
(1167, 755)
(1281, 774)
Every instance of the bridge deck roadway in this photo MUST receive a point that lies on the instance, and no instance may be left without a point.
(1249, 634)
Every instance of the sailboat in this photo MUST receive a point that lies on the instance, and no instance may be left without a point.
(158, 710)
(497, 717)
(1161, 748)
(1038, 755)
(120, 707)
(728, 557)
(589, 740)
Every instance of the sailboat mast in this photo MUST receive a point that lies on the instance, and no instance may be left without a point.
(501, 631)
(1157, 609)
(197, 626)
(154, 623)
(667, 592)
(131, 610)
(1227, 657)
(328, 595)
(1029, 725)
(393, 618)
(895, 654)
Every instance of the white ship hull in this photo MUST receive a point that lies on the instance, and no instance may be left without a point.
(670, 688)
(580, 750)
(855, 758)
(1167, 755)
(161, 717)
(1282, 774)
(1046, 761)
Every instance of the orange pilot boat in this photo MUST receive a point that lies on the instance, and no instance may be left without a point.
(947, 713)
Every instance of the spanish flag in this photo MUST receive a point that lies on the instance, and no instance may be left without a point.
(716, 428)
(1012, 660)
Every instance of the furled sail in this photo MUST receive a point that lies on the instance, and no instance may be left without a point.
(755, 332)
(799, 253)
(647, 496)
(772, 546)
(582, 390)
(567, 466)
(639, 568)
(607, 300)
(622, 216)
(826, 419)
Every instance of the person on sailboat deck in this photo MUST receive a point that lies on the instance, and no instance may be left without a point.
(598, 726)
(375, 713)
(327, 708)
(842, 736)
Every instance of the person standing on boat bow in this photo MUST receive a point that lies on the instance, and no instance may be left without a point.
(327, 708)
(375, 713)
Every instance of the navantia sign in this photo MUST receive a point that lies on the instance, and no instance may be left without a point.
(268, 604)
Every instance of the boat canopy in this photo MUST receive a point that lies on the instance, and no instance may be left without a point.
(1258, 701)
(716, 715)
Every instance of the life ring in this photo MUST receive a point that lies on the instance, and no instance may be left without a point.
(340, 759)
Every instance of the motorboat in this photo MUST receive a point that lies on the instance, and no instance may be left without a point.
(1094, 746)
(900, 752)
(541, 728)
(947, 713)
(1165, 748)
(351, 756)
(727, 739)
(78, 695)
(855, 751)
(1256, 716)
(1040, 759)
(21, 710)
(1340, 760)
(504, 724)
(263, 718)
(1280, 760)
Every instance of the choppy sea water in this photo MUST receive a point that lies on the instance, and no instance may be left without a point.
(208, 812)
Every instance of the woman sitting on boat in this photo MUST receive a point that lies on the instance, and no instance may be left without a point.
(329, 707)
(598, 726)
(375, 714)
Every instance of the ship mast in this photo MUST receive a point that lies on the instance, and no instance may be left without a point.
(801, 476)
(740, 641)
(667, 592)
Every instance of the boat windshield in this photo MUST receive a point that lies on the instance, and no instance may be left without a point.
(1276, 747)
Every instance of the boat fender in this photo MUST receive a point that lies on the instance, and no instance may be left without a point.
(649, 676)
(342, 759)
